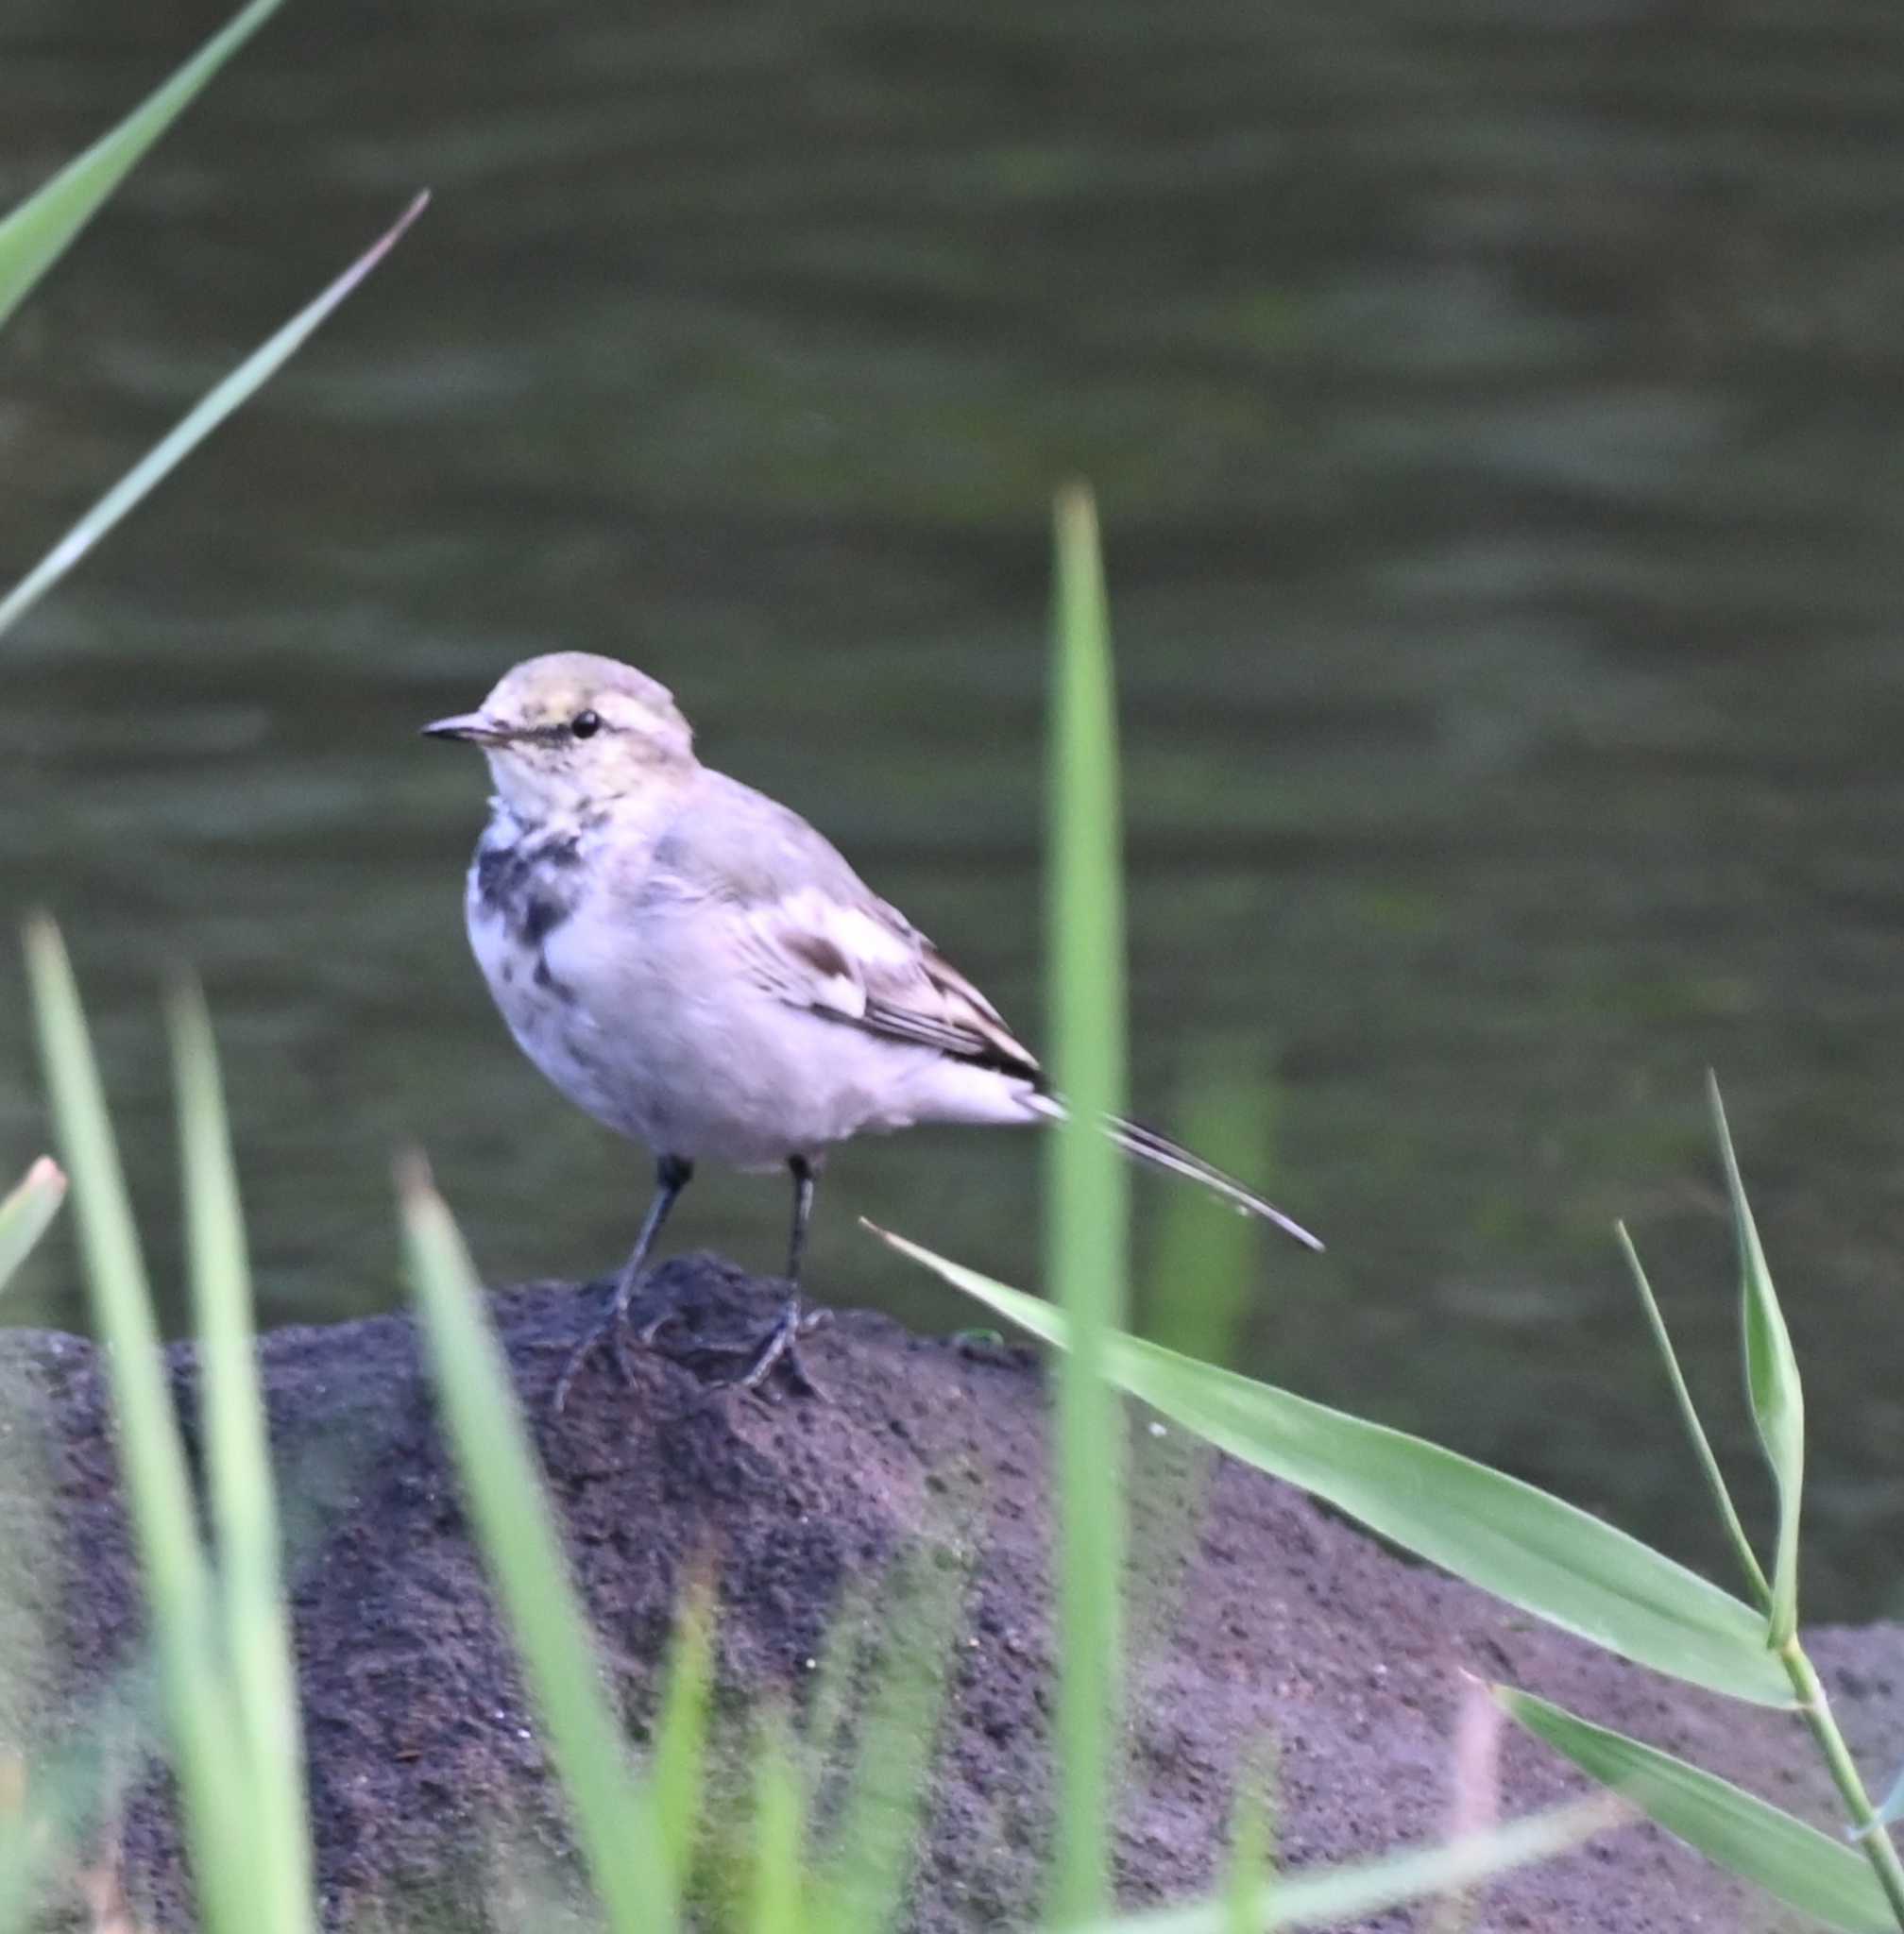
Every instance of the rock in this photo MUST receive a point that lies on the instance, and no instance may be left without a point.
(1254, 1617)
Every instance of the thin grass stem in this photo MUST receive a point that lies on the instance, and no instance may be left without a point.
(1087, 1226)
(1702, 1444)
(1872, 1834)
(241, 1501)
(153, 1469)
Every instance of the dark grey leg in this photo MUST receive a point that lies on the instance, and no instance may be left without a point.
(804, 1184)
(671, 1175)
(782, 1344)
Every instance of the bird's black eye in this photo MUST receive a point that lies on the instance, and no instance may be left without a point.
(586, 724)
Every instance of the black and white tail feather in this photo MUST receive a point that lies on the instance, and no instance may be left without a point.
(1159, 1152)
(934, 1005)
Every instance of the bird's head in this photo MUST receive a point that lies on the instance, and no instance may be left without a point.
(570, 731)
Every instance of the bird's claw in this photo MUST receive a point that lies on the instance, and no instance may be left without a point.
(611, 1327)
(779, 1348)
(782, 1348)
(651, 1329)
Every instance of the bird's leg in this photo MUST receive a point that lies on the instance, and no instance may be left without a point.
(671, 1175)
(782, 1344)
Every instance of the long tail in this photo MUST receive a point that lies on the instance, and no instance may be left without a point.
(1159, 1152)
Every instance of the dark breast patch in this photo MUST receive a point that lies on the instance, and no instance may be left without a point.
(527, 885)
(540, 917)
(545, 978)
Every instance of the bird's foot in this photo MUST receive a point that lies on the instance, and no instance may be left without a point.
(781, 1349)
(778, 1349)
(648, 1330)
(613, 1328)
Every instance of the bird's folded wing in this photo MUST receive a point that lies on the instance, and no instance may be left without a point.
(859, 961)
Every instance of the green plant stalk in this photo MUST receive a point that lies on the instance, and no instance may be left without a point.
(177, 1579)
(34, 235)
(678, 1771)
(1199, 1281)
(241, 1501)
(1252, 1846)
(1890, 1807)
(861, 1886)
(1338, 1896)
(1087, 1224)
(1190, 1299)
(614, 1817)
(1772, 1383)
(829, 1708)
(1702, 1444)
(776, 1894)
(198, 424)
(1873, 1837)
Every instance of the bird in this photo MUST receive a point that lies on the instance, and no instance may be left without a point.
(701, 970)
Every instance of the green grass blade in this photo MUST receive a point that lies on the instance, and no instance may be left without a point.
(242, 1499)
(679, 1767)
(619, 1839)
(36, 233)
(830, 1706)
(1196, 1284)
(777, 1902)
(861, 1889)
(1702, 1446)
(1535, 1550)
(151, 1455)
(1339, 1896)
(26, 1213)
(1253, 1849)
(198, 424)
(1772, 1383)
(1197, 1287)
(1762, 1844)
(44, 1827)
(108, 1241)
(1088, 1218)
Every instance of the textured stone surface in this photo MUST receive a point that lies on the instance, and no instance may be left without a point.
(1254, 1616)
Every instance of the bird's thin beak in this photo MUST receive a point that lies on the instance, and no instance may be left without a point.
(477, 727)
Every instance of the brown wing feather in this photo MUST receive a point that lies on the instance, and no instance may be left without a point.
(975, 1017)
(968, 1027)
(861, 962)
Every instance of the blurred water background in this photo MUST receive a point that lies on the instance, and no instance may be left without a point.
(1498, 417)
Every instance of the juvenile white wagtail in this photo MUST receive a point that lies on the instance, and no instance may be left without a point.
(698, 968)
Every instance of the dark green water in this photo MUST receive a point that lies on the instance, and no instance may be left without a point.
(1496, 413)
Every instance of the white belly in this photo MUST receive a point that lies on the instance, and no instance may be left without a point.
(668, 1041)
